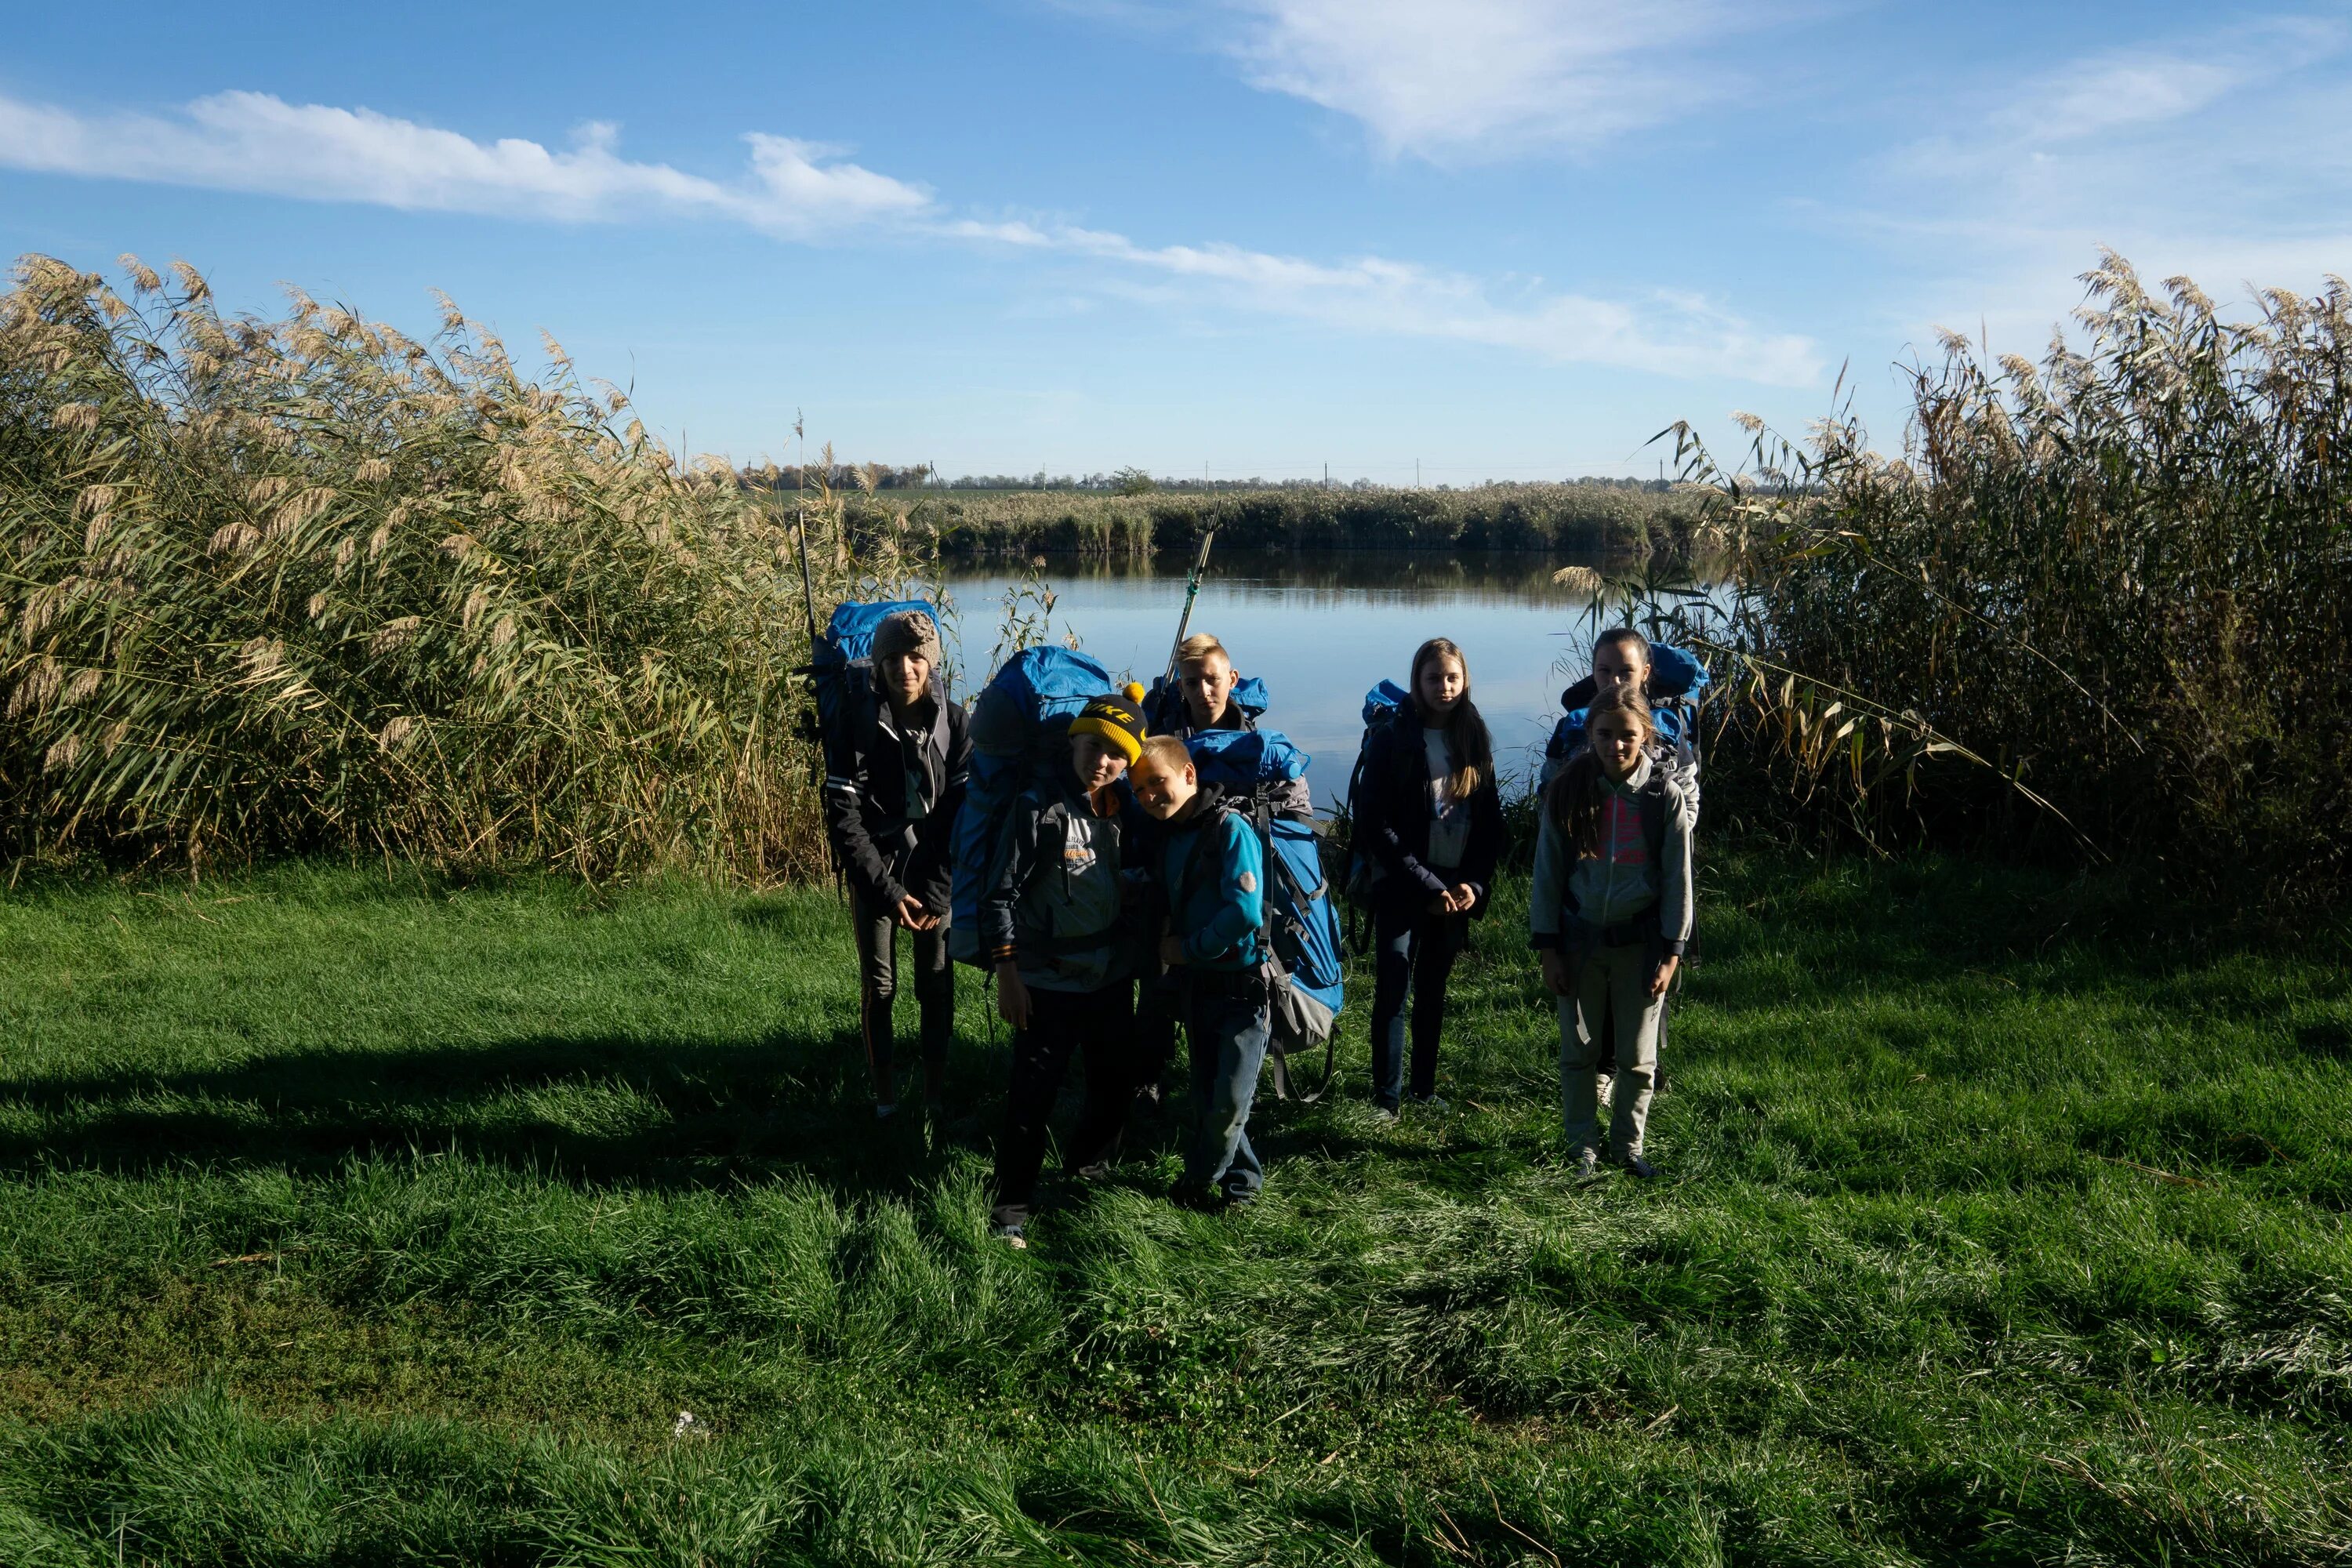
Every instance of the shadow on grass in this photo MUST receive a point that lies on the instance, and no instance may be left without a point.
(590, 1109)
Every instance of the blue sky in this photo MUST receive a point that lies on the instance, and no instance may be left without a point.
(1507, 238)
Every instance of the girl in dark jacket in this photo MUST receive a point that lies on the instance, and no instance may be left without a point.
(1427, 813)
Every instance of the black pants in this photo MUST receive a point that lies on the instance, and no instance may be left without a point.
(1414, 955)
(1097, 1025)
(1160, 999)
(878, 989)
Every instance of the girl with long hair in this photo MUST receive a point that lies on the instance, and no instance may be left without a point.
(1610, 912)
(1430, 819)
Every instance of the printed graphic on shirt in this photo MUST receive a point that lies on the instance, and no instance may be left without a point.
(1627, 846)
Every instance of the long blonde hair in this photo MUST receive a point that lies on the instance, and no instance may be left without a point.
(1574, 798)
(1466, 740)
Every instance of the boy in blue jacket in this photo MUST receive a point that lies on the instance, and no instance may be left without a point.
(1212, 872)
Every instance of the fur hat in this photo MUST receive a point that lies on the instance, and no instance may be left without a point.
(1118, 718)
(908, 631)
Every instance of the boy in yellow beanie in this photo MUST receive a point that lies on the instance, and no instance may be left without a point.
(1051, 923)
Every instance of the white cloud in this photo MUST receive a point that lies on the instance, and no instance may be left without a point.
(1480, 78)
(802, 190)
(253, 142)
(2220, 156)
(1665, 333)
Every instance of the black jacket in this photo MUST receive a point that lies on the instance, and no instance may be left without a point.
(867, 763)
(1390, 807)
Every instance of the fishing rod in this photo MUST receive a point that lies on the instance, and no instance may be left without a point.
(1192, 592)
(800, 534)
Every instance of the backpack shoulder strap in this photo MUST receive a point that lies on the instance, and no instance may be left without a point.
(1653, 813)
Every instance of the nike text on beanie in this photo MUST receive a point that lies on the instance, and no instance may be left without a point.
(1117, 718)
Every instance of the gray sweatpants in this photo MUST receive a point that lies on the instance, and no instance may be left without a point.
(1611, 981)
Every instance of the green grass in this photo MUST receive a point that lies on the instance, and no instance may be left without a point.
(343, 1222)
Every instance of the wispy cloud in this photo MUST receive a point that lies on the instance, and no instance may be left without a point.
(803, 190)
(253, 142)
(2221, 154)
(1482, 78)
(1664, 333)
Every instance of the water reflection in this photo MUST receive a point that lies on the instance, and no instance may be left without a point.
(1320, 628)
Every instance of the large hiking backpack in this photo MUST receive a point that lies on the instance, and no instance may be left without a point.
(841, 664)
(1677, 684)
(1382, 703)
(1020, 733)
(1163, 706)
(841, 667)
(1300, 932)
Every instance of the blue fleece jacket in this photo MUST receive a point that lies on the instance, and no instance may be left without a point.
(1216, 890)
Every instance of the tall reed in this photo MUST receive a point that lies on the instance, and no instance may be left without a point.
(307, 584)
(2122, 579)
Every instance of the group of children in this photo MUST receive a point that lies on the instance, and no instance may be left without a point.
(1123, 900)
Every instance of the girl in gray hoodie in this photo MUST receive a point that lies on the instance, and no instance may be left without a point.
(1610, 913)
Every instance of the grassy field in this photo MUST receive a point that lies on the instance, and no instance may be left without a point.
(344, 1222)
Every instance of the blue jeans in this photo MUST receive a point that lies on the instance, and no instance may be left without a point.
(1226, 1028)
(1414, 955)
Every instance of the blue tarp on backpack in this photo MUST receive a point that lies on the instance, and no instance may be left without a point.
(1163, 705)
(1677, 684)
(1020, 733)
(842, 663)
(1244, 761)
(1305, 924)
(1382, 703)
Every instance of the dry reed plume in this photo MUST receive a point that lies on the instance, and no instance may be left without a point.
(307, 584)
(2122, 578)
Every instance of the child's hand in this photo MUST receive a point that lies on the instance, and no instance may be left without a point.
(1011, 997)
(914, 916)
(1171, 950)
(1466, 898)
(1664, 976)
(1555, 972)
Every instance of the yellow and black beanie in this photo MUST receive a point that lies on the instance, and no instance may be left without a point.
(1116, 716)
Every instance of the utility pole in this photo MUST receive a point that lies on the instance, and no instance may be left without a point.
(1326, 476)
(1416, 473)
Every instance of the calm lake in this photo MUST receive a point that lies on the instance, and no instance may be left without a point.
(1319, 629)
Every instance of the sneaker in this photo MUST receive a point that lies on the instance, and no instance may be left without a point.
(1010, 1234)
(1429, 1102)
(1587, 1166)
(1385, 1112)
(1098, 1171)
(1639, 1168)
(883, 1112)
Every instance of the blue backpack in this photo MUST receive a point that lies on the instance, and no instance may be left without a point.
(1163, 706)
(1301, 929)
(1677, 684)
(841, 666)
(1382, 703)
(1020, 733)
